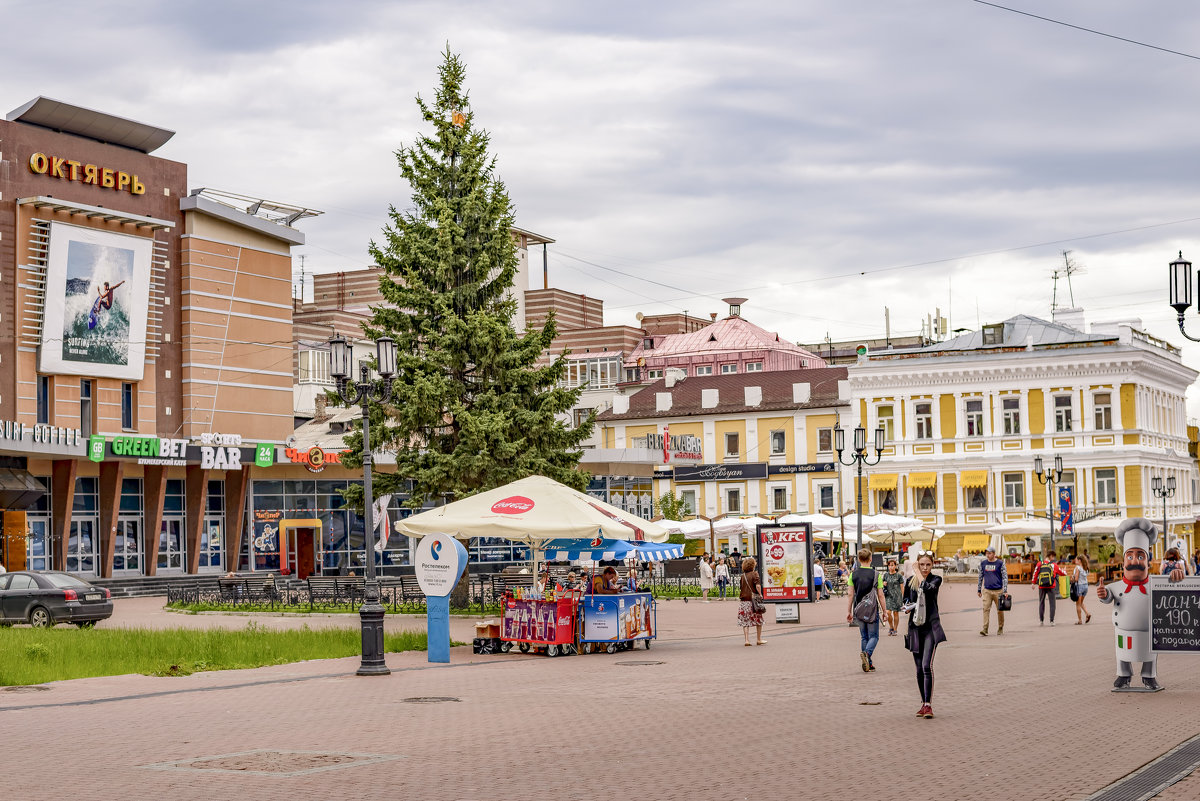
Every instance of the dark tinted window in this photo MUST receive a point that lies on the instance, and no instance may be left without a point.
(63, 580)
(21, 583)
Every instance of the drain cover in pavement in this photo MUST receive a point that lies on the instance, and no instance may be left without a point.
(431, 699)
(640, 662)
(265, 762)
(26, 688)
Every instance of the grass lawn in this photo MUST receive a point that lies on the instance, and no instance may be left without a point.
(33, 656)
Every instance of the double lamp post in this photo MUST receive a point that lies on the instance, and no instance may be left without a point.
(1049, 478)
(1163, 490)
(363, 392)
(858, 457)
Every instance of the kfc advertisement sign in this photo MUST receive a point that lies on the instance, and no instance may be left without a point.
(514, 505)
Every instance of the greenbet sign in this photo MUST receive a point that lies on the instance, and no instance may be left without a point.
(96, 448)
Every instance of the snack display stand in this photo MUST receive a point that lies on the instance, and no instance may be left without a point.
(541, 624)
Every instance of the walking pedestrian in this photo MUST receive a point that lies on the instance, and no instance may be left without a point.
(1079, 580)
(867, 583)
(721, 574)
(1173, 561)
(993, 582)
(819, 592)
(751, 588)
(1045, 579)
(921, 600)
(1196, 563)
(706, 577)
(893, 594)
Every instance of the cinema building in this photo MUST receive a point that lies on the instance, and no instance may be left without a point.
(145, 350)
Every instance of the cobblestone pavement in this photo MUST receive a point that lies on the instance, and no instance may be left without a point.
(1025, 716)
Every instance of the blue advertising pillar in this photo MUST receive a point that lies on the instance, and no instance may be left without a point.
(439, 561)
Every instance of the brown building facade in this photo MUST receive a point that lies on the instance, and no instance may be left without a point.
(145, 350)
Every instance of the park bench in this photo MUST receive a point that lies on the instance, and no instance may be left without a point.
(334, 589)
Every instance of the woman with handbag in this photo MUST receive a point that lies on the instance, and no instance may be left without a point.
(751, 608)
(1079, 588)
(924, 626)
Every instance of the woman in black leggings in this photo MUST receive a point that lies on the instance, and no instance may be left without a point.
(923, 640)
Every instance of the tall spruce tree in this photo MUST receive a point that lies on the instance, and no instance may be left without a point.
(472, 407)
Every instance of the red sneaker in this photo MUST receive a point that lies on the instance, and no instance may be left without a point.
(924, 710)
(928, 712)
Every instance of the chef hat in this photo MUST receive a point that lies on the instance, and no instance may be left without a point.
(1136, 532)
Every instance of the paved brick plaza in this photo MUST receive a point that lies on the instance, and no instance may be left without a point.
(1028, 715)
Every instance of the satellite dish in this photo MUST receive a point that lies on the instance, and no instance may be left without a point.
(639, 317)
(290, 441)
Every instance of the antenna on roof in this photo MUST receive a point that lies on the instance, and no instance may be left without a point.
(1070, 267)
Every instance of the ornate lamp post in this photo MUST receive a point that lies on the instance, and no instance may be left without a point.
(858, 458)
(1164, 492)
(1050, 478)
(1181, 290)
(362, 392)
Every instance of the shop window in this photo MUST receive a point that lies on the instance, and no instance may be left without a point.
(1106, 486)
(924, 412)
(1062, 413)
(976, 498)
(1012, 416)
(778, 443)
(1103, 410)
(926, 500)
(974, 418)
(1014, 490)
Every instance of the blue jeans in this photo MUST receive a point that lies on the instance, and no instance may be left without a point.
(870, 636)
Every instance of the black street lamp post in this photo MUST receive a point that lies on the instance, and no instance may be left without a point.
(858, 458)
(1181, 290)
(1164, 491)
(362, 392)
(1049, 478)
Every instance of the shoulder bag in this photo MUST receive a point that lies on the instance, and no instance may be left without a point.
(867, 610)
(757, 605)
(918, 613)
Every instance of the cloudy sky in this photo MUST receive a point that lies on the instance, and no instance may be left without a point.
(824, 158)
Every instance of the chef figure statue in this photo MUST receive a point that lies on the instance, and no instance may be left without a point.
(1131, 617)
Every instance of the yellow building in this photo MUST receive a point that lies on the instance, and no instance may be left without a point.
(965, 419)
(744, 444)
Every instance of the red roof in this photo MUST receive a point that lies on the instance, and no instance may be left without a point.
(731, 335)
(776, 387)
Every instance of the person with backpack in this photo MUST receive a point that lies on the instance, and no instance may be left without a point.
(1045, 579)
(865, 604)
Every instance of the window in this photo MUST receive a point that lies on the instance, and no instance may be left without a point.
(926, 499)
(825, 496)
(778, 443)
(993, 334)
(824, 440)
(688, 497)
(753, 367)
(648, 343)
(885, 500)
(598, 373)
(580, 416)
(85, 407)
(314, 367)
(728, 368)
(1103, 404)
(779, 502)
(976, 497)
(924, 420)
(654, 374)
(1012, 415)
(1106, 486)
(1014, 490)
(974, 418)
(885, 421)
(128, 420)
(704, 369)
(43, 400)
(733, 500)
(732, 449)
(1062, 412)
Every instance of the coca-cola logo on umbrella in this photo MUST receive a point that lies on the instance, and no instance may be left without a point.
(515, 505)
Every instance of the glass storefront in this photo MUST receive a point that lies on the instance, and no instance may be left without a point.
(172, 544)
(81, 543)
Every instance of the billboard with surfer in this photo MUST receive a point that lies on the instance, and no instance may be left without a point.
(99, 325)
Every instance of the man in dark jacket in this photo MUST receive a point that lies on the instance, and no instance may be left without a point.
(993, 582)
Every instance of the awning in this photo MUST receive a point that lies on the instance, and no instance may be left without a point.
(603, 549)
(921, 480)
(973, 478)
(882, 481)
(19, 489)
(975, 542)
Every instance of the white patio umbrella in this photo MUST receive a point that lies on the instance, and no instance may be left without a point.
(1098, 525)
(535, 510)
(1030, 526)
(818, 521)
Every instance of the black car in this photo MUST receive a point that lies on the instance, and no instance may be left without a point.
(44, 598)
